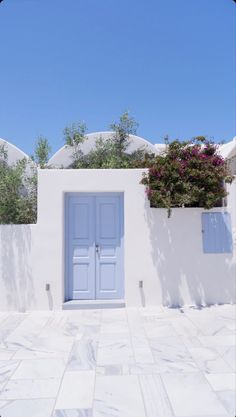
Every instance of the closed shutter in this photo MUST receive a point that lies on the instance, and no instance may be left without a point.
(216, 232)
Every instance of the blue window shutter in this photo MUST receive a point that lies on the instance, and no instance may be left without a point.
(217, 232)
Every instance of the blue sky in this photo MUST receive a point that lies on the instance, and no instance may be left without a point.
(171, 63)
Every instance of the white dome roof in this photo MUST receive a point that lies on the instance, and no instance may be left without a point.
(160, 147)
(228, 150)
(14, 153)
(63, 157)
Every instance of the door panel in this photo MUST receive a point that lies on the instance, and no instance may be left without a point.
(81, 248)
(109, 282)
(95, 246)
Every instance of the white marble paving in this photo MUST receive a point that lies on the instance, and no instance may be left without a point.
(228, 399)
(190, 341)
(160, 329)
(130, 362)
(83, 355)
(214, 325)
(24, 334)
(118, 396)
(115, 349)
(73, 413)
(89, 317)
(59, 345)
(27, 408)
(155, 397)
(7, 368)
(3, 315)
(77, 390)
(172, 356)
(141, 348)
(42, 353)
(222, 382)
(228, 340)
(9, 324)
(111, 370)
(40, 369)
(89, 331)
(185, 327)
(191, 395)
(144, 369)
(117, 328)
(209, 360)
(211, 415)
(30, 388)
(229, 355)
(6, 354)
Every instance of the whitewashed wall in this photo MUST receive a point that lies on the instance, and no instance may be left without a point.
(165, 253)
(231, 205)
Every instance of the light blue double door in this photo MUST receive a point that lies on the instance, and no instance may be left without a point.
(94, 246)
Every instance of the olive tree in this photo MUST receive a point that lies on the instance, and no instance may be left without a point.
(18, 191)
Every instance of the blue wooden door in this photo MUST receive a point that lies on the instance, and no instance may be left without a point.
(95, 246)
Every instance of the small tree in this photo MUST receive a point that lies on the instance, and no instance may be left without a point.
(18, 191)
(187, 174)
(107, 153)
(42, 151)
(112, 152)
(100, 156)
(74, 136)
(126, 126)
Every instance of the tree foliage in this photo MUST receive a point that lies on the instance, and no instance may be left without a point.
(188, 174)
(41, 152)
(112, 152)
(126, 126)
(74, 136)
(18, 191)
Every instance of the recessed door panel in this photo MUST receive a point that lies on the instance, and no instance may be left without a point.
(107, 277)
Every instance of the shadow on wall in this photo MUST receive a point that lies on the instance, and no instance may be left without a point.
(16, 273)
(184, 271)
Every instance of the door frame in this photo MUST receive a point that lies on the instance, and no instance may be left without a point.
(67, 196)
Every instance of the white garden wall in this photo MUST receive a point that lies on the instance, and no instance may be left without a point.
(166, 254)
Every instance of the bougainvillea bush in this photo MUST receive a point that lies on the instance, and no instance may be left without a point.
(187, 174)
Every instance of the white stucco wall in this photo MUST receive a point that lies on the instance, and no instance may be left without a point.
(231, 204)
(165, 253)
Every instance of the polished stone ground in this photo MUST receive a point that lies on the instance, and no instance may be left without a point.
(147, 362)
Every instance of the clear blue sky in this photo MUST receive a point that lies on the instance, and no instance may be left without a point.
(171, 63)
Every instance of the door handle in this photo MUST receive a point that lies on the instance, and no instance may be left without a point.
(97, 248)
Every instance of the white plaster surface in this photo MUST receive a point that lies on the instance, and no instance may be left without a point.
(70, 382)
(166, 254)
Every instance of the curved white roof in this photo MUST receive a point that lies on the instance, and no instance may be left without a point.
(228, 150)
(160, 147)
(14, 153)
(63, 157)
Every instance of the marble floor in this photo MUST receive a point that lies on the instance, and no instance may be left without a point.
(133, 362)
